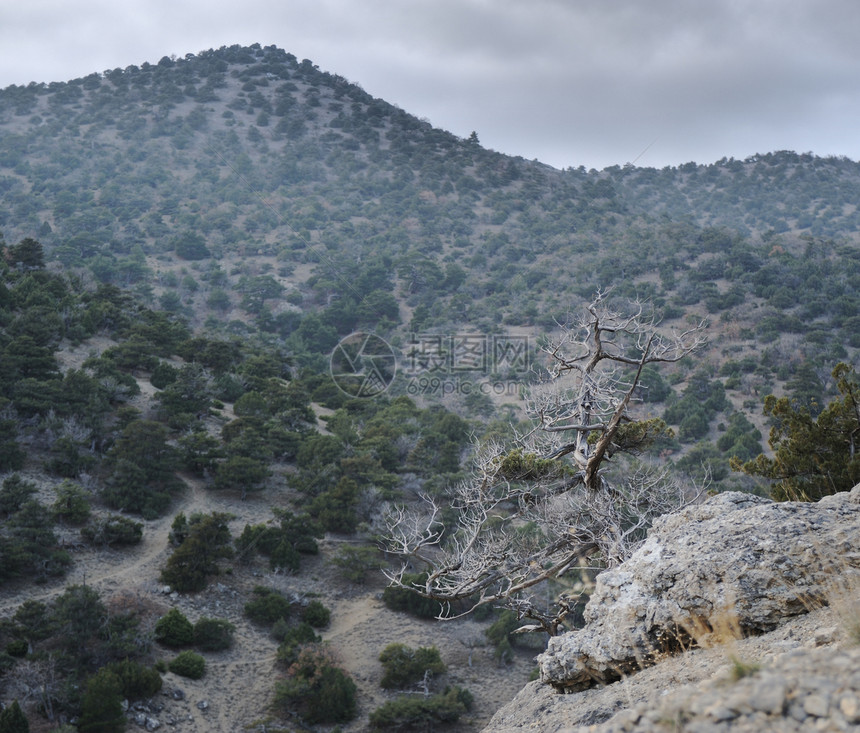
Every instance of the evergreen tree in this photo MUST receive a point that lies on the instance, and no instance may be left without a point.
(813, 457)
(13, 720)
(189, 567)
(101, 707)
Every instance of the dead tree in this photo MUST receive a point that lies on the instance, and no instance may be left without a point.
(548, 504)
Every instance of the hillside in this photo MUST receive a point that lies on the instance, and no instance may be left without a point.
(184, 245)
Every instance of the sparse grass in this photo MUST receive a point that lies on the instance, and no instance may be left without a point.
(741, 668)
(721, 628)
(844, 598)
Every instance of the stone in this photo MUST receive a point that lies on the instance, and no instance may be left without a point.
(733, 566)
(816, 705)
(825, 636)
(849, 706)
(769, 696)
(720, 712)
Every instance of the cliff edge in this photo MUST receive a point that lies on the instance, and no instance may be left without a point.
(736, 614)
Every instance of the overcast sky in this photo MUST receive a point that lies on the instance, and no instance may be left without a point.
(569, 82)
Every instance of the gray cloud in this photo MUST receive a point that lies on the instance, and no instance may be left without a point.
(570, 82)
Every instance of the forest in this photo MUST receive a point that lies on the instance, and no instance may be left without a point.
(185, 244)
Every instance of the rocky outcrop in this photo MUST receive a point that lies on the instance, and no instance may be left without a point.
(761, 601)
(735, 565)
(795, 678)
(803, 690)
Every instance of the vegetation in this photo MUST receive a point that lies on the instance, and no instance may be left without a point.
(188, 664)
(532, 512)
(317, 688)
(416, 713)
(316, 615)
(140, 247)
(174, 629)
(268, 606)
(812, 456)
(213, 634)
(101, 707)
(404, 667)
(196, 558)
(13, 720)
(84, 656)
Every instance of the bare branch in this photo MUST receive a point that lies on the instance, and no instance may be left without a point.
(531, 514)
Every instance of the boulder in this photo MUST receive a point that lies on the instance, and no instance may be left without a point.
(733, 566)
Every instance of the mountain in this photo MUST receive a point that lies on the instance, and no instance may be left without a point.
(185, 245)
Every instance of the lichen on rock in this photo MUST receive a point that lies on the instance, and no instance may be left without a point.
(736, 565)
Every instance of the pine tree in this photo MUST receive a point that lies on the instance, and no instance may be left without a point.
(13, 720)
(813, 457)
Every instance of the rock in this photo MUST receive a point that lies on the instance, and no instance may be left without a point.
(203, 705)
(816, 705)
(801, 680)
(769, 696)
(733, 566)
(825, 636)
(849, 706)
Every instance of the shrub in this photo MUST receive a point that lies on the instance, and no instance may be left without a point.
(72, 504)
(208, 540)
(213, 634)
(354, 563)
(317, 688)
(407, 713)
(317, 615)
(501, 635)
(403, 599)
(292, 640)
(188, 664)
(136, 680)
(405, 666)
(174, 629)
(101, 706)
(268, 607)
(115, 530)
(17, 648)
(13, 720)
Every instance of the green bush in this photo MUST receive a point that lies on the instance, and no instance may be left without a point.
(316, 614)
(17, 648)
(137, 681)
(317, 688)
(404, 666)
(13, 720)
(188, 664)
(501, 635)
(115, 530)
(292, 639)
(174, 629)
(268, 607)
(354, 563)
(72, 504)
(403, 599)
(213, 634)
(208, 540)
(101, 706)
(422, 713)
